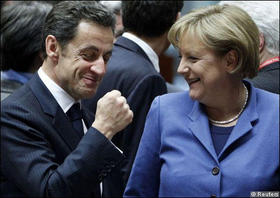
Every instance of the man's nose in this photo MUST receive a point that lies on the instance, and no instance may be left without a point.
(99, 66)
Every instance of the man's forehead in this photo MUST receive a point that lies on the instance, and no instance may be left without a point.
(92, 36)
(86, 24)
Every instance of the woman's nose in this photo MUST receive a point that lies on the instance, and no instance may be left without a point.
(183, 68)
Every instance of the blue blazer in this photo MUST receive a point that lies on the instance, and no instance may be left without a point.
(176, 156)
(42, 155)
(130, 71)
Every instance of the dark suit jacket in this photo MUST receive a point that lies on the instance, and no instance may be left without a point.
(8, 87)
(130, 71)
(268, 78)
(42, 155)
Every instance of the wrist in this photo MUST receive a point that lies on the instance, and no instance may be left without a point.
(102, 129)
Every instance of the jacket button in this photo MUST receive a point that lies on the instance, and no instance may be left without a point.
(215, 171)
(213, 196)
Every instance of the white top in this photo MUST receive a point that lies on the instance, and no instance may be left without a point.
(64, 100)
(145, 47)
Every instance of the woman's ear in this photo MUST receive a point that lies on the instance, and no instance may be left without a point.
(52, 48)
(262, 42)
(231, 60)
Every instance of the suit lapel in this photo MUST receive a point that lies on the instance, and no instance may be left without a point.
(65, 129)
(50, 107)
(199, 126)
(88, 117)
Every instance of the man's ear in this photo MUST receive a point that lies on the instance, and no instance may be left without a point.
(178, 16)
(52, 48)
(262, 42)
(231, 59)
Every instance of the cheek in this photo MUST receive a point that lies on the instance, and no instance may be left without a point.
(79, 68)
(60, 73)
(206, 70)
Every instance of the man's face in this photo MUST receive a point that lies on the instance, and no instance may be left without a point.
(82, 63)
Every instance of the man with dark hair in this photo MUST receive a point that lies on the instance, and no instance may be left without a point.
(21, 29)
(134, 69)
(115, 7)
(50, 146)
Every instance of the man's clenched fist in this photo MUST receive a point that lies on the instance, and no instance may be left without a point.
(112, 114)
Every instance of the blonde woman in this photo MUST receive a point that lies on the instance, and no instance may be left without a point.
(221, 138)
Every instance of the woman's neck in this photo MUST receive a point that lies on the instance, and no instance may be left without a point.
(228, 107)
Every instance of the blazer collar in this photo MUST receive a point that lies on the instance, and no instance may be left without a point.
(200, 125)
(50, 107)
(246, 120)
(132, 46)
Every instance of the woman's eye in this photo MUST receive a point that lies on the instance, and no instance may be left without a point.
(192, 59)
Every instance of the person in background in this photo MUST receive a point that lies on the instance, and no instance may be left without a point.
(50, 145)
(220, 138)
(115, 7)
(4, 3)
(266, 16)
(21, 28)
(133, 68)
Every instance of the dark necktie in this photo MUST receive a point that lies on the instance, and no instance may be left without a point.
(75, 116)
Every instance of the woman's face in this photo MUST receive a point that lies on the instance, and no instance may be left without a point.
(204, 71)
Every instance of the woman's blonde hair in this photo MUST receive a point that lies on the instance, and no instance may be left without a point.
(222, 28)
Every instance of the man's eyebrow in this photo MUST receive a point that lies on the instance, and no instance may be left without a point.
(90, 48)
(93, 48)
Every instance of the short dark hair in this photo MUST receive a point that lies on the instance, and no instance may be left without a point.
(149, 18)
(21, 29)
(64, 18)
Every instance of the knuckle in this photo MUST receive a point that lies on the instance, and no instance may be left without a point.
(131, 114)
(121, 101)
(126, 107)
(100, 101)
(116, 92)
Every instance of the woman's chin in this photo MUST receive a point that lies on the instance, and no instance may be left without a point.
(194, 95)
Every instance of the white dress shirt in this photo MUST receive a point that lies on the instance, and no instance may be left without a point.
(64, 100)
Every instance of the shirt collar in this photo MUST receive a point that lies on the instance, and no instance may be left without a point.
(64, 100)
(145, 47)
